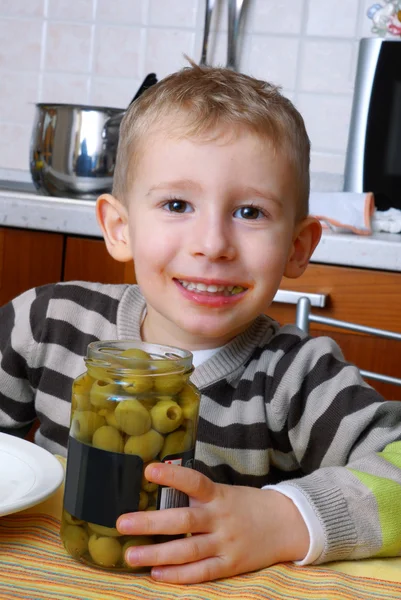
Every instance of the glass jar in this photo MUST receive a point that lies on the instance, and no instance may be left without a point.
(133, 406)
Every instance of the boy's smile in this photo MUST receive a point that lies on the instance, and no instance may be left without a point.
(210, 292)
(210, 226)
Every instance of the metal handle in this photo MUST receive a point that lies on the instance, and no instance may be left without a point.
(235, 11)
(289, 297)
(209, 6)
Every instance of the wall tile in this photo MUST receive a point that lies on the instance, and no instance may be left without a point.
(20, 44)
(75, 10)
(328, 162)
(18, 93)
(277, 16)
(68, 47)
(14, 146)
(161, 61)
(117, 93)
(174, 13)
(335, 18)
(117, 51)
(328, 66)
(274, 59)
(65, 88)
(22, 8)
(327, 120)
(131, 12)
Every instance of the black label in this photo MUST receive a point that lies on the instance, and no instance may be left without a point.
(100, 485)
(169, 497)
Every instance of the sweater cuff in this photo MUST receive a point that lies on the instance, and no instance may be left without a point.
(315, 529)
(330, 507)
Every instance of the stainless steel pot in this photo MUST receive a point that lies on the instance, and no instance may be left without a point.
(73, 149)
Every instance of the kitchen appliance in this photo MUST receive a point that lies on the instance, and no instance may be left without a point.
(73, 147)
(373, 160)
(69, 156)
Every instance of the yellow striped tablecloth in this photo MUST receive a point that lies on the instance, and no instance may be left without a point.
(34, 565)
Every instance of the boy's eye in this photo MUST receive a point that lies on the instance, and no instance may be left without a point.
(177, 206)
(248, 212)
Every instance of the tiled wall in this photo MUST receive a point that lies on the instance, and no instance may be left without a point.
(98, 51)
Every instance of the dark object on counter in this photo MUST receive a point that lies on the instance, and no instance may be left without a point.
(73, 147)
(373, 162)
(149, 80)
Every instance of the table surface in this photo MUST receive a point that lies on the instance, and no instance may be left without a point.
(34, 565)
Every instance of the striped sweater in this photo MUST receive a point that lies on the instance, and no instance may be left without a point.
(276, 406)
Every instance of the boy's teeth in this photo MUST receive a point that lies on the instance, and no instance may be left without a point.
(212, 289)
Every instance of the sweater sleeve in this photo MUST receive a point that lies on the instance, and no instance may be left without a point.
(21, 321)
(346, 439)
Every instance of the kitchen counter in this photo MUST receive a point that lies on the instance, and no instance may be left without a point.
(23, 208)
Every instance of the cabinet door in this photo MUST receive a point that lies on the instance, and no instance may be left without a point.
(362, 296)
(87, 259)
(28, 259)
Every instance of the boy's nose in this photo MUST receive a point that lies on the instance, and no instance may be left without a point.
(212, 239)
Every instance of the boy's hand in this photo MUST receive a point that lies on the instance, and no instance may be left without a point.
(234, 529)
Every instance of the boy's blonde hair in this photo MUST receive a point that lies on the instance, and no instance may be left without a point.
(202, 100)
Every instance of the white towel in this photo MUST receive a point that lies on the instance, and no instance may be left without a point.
(387, 220)
(343, 212)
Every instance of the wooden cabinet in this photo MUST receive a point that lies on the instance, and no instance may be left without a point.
(362, 296)
(28, 259)
(88, 260)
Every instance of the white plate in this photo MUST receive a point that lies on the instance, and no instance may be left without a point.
(28, 474)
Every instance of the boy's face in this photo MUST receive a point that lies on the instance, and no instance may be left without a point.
(210, 226)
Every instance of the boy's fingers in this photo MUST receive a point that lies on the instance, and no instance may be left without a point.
(174, 521)
(189, 481)
(192, 549)
(207, 569)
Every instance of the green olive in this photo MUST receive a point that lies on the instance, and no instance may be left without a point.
(108, 438)
(132, 417)
(83, 383)
(188, 399)
(99, 373)
(147, 446)
(80, 392)
(166, 416)
(143, 500)
(139, 381)
(103, 394)
(140, 357)
(136, 540)
(84, 424)
(148, 486)
(81, 401)
(109, 416)
(103, 530)
(105, 551)
(75, 540)
(169, 384)
(70, 519)
(177, 442)
(148, 401)
(152, 499)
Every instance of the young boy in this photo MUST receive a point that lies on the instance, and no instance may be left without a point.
(297, 458)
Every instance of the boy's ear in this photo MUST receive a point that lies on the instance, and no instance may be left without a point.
(112, 217)
(306, 238)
